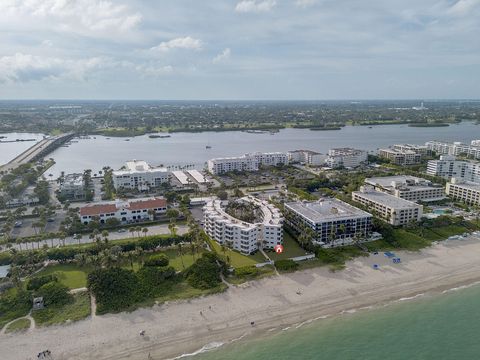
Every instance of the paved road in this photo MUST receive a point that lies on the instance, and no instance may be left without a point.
(152, 230)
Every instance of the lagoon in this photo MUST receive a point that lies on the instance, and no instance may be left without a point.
(190, 148)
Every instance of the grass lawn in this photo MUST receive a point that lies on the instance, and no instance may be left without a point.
(236, 259)
(71, 275)
(290, 249)
(79, 309)
(263, 272)
(18, 325)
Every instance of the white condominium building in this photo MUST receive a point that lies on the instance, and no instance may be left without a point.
(408, 187)
(401, 157)
(466, 192)
(418, 149)
(306, 156)
(455, 148)
(140, 175)
(124, 211)
(72, 187)
(240, 235)
(334, 222)
(247, 162)
(346, 157)
(448, 167)
(395, 211)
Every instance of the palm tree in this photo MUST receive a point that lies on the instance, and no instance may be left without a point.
(180, 253)
(145, 231)
(105, 236)
(62, 237)
(132, 231)
(342, 229)
(78, 237)
(173, 229)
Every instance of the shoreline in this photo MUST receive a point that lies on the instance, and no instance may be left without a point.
(177, 328)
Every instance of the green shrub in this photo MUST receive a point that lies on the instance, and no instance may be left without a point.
(247, 271)
(286, 265)
(37, 282)
(5, 258)
(115, 289)
(55, 294)
(14, 304)
(157, 260)
(205, 272)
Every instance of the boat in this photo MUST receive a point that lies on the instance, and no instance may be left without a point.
(208, 147)
(127, 139)
(153, 136)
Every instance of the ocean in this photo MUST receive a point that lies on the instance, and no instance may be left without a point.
(430, 327)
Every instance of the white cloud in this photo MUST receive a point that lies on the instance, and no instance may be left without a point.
(462, 7)
(25, 67)
(255, 6)
(223, 56)
(304, 3)
(153, 70)
(179, 43)
(101, 18)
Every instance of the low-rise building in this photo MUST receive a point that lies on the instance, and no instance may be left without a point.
(408, 187)
(140, 176)
(246, 162)
(306, 157)
(448, 167)
(333, 222)
(72, 187)
(346, 157)
(129, 211)
(240, 235)
(467, 192)
(401, 157)
(394, 210)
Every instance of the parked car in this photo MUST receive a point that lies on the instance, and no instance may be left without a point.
(121, 230)
(18, 224)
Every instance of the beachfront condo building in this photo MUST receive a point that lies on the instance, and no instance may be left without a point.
(243, 236)
(464, 191)
(400, 157)
(346, 157)
(130, 211)
(306, 157)
(246, 162)
(139, 175)
(448, 167)
(334, 222)
(394, 210)
(408, 187)
(455, 148)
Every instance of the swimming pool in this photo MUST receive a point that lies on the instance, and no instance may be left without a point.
(439, 211)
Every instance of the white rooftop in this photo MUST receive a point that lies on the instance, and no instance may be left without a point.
(386, 199)
(327, 210)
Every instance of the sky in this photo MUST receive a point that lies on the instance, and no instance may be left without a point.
(239, 49)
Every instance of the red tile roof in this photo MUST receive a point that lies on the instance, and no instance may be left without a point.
(94, 210)
(148, 204)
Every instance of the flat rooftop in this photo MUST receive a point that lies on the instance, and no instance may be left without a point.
(468, 185)
(412, 182)
(386, 199)
(326, 210)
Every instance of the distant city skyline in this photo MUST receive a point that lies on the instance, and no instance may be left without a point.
(239, 50)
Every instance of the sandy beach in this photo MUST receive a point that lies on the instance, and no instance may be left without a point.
(183, 327)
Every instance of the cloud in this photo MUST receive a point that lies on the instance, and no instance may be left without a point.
(462, 7)
(179, 43)
(101, 18)
(154, 70)
(304, 3)
(255, 6)
(223, 56)
(22, 68)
